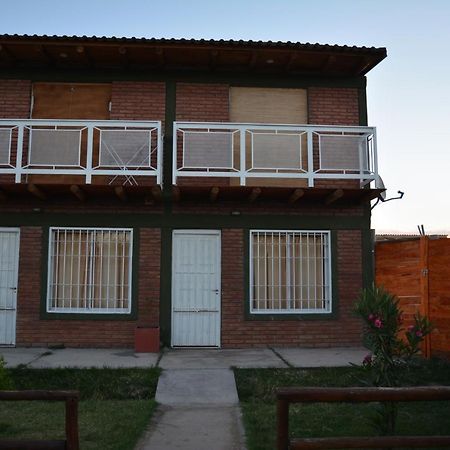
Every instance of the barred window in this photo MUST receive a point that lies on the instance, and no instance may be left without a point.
(290, 271)
(89, 270)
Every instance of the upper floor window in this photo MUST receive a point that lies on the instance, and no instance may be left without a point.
(89, 270)
(290, 271)
(71, 101)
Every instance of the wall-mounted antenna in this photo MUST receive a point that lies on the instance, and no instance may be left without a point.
(421, 230)
(382, 198)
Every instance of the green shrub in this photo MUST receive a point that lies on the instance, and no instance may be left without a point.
(392, 347)
(5, 380)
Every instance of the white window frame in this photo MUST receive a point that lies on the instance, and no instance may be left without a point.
(87, 310)
(327, 268)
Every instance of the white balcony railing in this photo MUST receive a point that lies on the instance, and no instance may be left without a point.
(81, 147)
(243, 151)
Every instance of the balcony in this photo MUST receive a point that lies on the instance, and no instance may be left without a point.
(80, 152)
(241, 152)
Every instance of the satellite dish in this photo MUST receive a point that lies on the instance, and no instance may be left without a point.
(380, 185)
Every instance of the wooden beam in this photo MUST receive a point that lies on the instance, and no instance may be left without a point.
(121, 193)
(44, 52)
(335, 195)
(363, 65)
(292, 60)
(123, 52)
(37, 192)
(213, 193)
(176, 194)
(78, 192)
(6, 53)
(156, 193)
(148, 200)
(329, 63)
(3, 196)
(256, 192)
(253, 59)
(213, 55)
(82, 50)
(160, 56)
(297, 194)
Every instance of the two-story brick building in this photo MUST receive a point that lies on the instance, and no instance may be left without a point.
(219, 190)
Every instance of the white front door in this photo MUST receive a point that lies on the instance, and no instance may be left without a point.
(9, 265)
(196, 288)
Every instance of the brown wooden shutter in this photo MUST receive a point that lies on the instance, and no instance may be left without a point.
(269, 105)
(71, 101)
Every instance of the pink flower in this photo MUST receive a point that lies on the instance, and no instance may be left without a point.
(378, 323)
(419, 333)
(367, 361)
(371, 317)
(410, 328)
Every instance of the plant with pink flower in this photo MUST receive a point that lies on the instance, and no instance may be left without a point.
(391, 355)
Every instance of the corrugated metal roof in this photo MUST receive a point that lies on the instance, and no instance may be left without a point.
(213, 42)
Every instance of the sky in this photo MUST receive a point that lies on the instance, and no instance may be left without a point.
(408, 93)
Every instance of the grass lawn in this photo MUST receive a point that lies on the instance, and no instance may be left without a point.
(115, 407)
(256, 388)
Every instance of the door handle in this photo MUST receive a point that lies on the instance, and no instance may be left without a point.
(215, 290)
(13, 289)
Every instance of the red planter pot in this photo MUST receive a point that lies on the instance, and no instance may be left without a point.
(146, 340)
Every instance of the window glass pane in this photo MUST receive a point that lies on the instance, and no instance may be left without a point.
(290, 271)
(90, 270)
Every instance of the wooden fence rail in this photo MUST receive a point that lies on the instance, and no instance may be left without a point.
(71, 400)
(286, 396)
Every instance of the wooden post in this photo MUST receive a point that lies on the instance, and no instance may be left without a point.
(282, 424)
(72, 423)
(424, 290)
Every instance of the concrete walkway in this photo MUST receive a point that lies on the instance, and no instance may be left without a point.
(198, 402)
(36, 357)
(198, 409)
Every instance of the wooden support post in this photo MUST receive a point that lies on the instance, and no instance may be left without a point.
(256, 192)
(335, 195)
(297, 194)
(3, 196)
(214, 193)
(37, 192)
(282, 424)
(121, 193)
(156, 193)
(424, 290)
(176, 194)
(72, 424)
(78, 192)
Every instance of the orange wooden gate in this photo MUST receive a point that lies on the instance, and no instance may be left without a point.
(417, 271)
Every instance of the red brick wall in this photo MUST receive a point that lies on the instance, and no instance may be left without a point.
(344, 330)
(203, 102)
(133, 100)
(31, 330)
(15, 99)
(333, 106)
